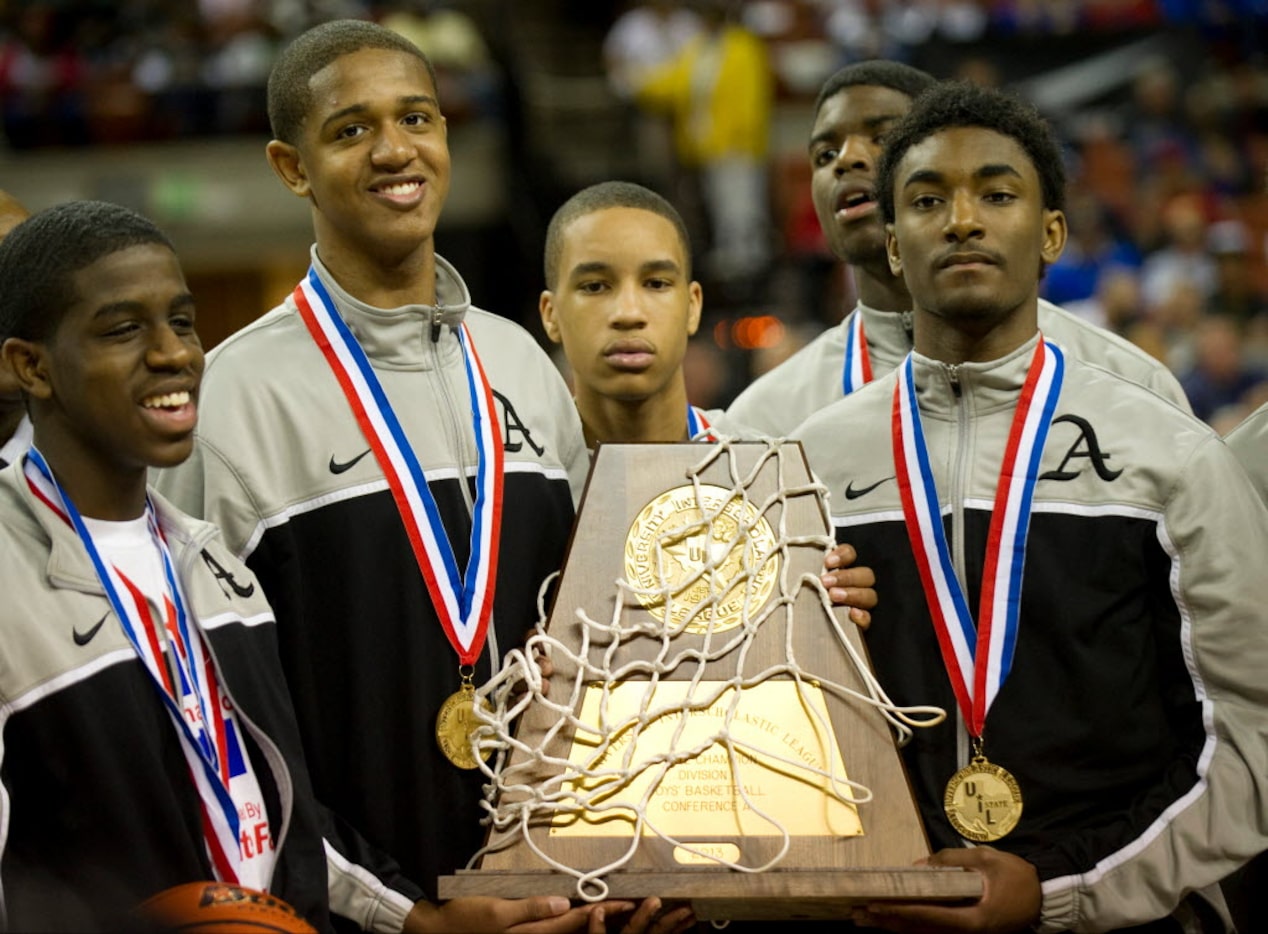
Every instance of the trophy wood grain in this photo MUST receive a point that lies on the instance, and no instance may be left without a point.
(793, 894)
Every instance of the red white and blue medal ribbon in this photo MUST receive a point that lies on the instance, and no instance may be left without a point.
(205, 747)
(857, 371)
(463, 601)
(977, 658)
(698, 426)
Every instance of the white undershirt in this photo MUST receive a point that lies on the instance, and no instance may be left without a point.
(130, 548)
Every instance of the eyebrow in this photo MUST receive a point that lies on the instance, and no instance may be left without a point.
(585, 269)
(996, 170)
(659, 265)
(596, 266)
(363, 108)
(933, 176)
(127, 306)
(117, 308)
(870, 123)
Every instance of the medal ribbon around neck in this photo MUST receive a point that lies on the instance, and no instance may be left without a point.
(463, 601)
(977, 658)
(857, 371)
(698, 422)
(205, 749)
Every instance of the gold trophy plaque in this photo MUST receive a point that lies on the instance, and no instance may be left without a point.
(703, 738)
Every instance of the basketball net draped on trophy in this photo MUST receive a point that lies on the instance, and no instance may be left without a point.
(712, 732)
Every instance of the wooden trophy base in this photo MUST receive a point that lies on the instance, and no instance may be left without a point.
(746, 736)
(776, 894)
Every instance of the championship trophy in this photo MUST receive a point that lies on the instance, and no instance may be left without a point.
(712, 732)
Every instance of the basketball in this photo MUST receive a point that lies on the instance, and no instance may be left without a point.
(220, 908)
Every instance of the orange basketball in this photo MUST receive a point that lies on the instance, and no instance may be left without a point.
(221, 908)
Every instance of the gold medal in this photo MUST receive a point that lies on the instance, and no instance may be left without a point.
(982, 801)
(456, 725)
(669, 545)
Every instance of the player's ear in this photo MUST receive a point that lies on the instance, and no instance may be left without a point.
(695, 295)
(289, 166)
(546, 306)
(1054, 236)
(28, 362)
(891, 251)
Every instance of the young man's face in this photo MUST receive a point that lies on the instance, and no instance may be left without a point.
(373, 156)
(845, 144)
(971, 230)
(117, 381)
(623, 306)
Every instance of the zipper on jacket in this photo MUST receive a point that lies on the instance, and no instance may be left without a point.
(961, 468)
(459, 444)
(909, 324)
(456, 431)
(437, 313)
(277, 762)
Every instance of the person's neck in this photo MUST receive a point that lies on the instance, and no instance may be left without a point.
(880, 289)
(10, 418)
(113, 495)
(383, 283)
(961, 341)
(662, 417)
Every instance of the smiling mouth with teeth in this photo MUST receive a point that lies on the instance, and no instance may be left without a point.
(171, 400)
(405, 188)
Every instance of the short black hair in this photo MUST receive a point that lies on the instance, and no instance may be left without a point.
(961, 104)
(877, 72)
(41, 254)
(289, 94)
(600, 197)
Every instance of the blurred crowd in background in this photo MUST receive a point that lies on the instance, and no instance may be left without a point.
(1162, 106)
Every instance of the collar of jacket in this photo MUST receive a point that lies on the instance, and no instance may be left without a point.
(888, 332)
(943, 388)
(401, 338)
(68, 563)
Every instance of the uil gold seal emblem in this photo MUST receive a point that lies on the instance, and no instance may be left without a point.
(681, 556)
(983, 801)
(456, 724)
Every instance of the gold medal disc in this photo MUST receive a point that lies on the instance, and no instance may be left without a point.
(456, 725)
(711, 568)
(982, 801)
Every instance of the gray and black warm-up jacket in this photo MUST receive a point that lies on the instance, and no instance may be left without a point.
(282, 466)
(1135, 716)
(777, 402)
(97, 807)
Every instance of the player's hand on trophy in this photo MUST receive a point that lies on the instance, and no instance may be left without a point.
(545, 667)
(478, 914)
(850, 586)
(1010, 899)
(651, 917)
